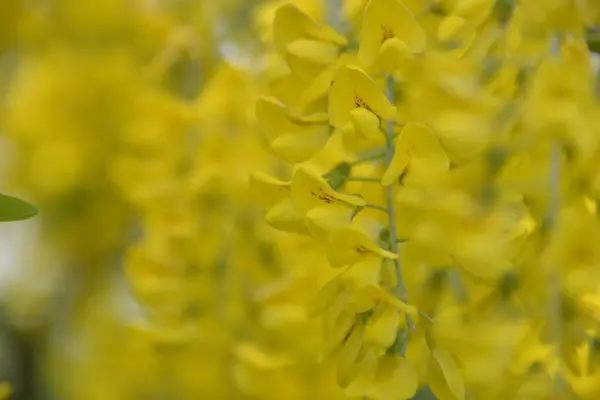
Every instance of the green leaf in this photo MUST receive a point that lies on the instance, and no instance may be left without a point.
(14, 209)
(338, 176)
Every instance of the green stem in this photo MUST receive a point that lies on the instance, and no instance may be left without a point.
(458, 287)
(426, 317)
(400, 289)
(376, 207)
(374, 157)
(362, 179)
(333, 15)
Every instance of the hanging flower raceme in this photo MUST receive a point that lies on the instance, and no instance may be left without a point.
(469, 130)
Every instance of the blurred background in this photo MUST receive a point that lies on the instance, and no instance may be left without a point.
(148, 273)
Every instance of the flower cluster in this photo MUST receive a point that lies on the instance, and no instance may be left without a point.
(169, 284)
(209, 274)
(444, 156)
(89, 103)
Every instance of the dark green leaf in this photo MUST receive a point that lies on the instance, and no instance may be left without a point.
(338, 176)
(14, 209)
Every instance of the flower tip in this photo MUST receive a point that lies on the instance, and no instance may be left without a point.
(387, 179)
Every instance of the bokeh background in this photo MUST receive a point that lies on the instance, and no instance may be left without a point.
(149, 272)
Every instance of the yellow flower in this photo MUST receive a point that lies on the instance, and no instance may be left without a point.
(324, 208)
(291, 24)
(573, 250)
(349, 355)
(382, 327)
(396, 378)
(465, 135)
(560, 108)
(584, 377)
(362, 281)
(350, 244)
(285, 217)
(388, 20)
(251, 353)
(445, 378)
(153, 279)
(364, 372)
(350, 247)
(338, 320)
(307, 58)
(418, 156)
(274, 194)
(363, 136)
(292, 137)
(268, 190)
(318, 88)
(354, 92)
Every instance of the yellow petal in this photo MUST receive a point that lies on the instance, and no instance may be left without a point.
(348, 356)
(399, 304)
(271, 114)
(363, 274)
(310, 190)
(463, 135)
(298, 147)
(303, 69)
(366, 371)
(382, 327)
(355, 141)
(419, 150)
(321, 221)
(341, 98)
(365, 122)
(252, 354)
(472, 8)
(386, 19)
(312, 50)
(277, 119)
(291, 24)
(320, 84)
(352, 88)
(397, 379)
(267, 189)
(350, 244)
(325, 296)
(445, 378)
(283, 216)
(336, 330)
(450, 27)
(394, 55)
(326, 33)
(307, 58)
(283, 316)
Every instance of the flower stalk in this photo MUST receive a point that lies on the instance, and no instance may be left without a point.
(400, 289)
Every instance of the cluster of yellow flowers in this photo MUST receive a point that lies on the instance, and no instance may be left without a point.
(445, 158)
(209, 273)
(429, 170)
(87, 84)
(155, 274)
